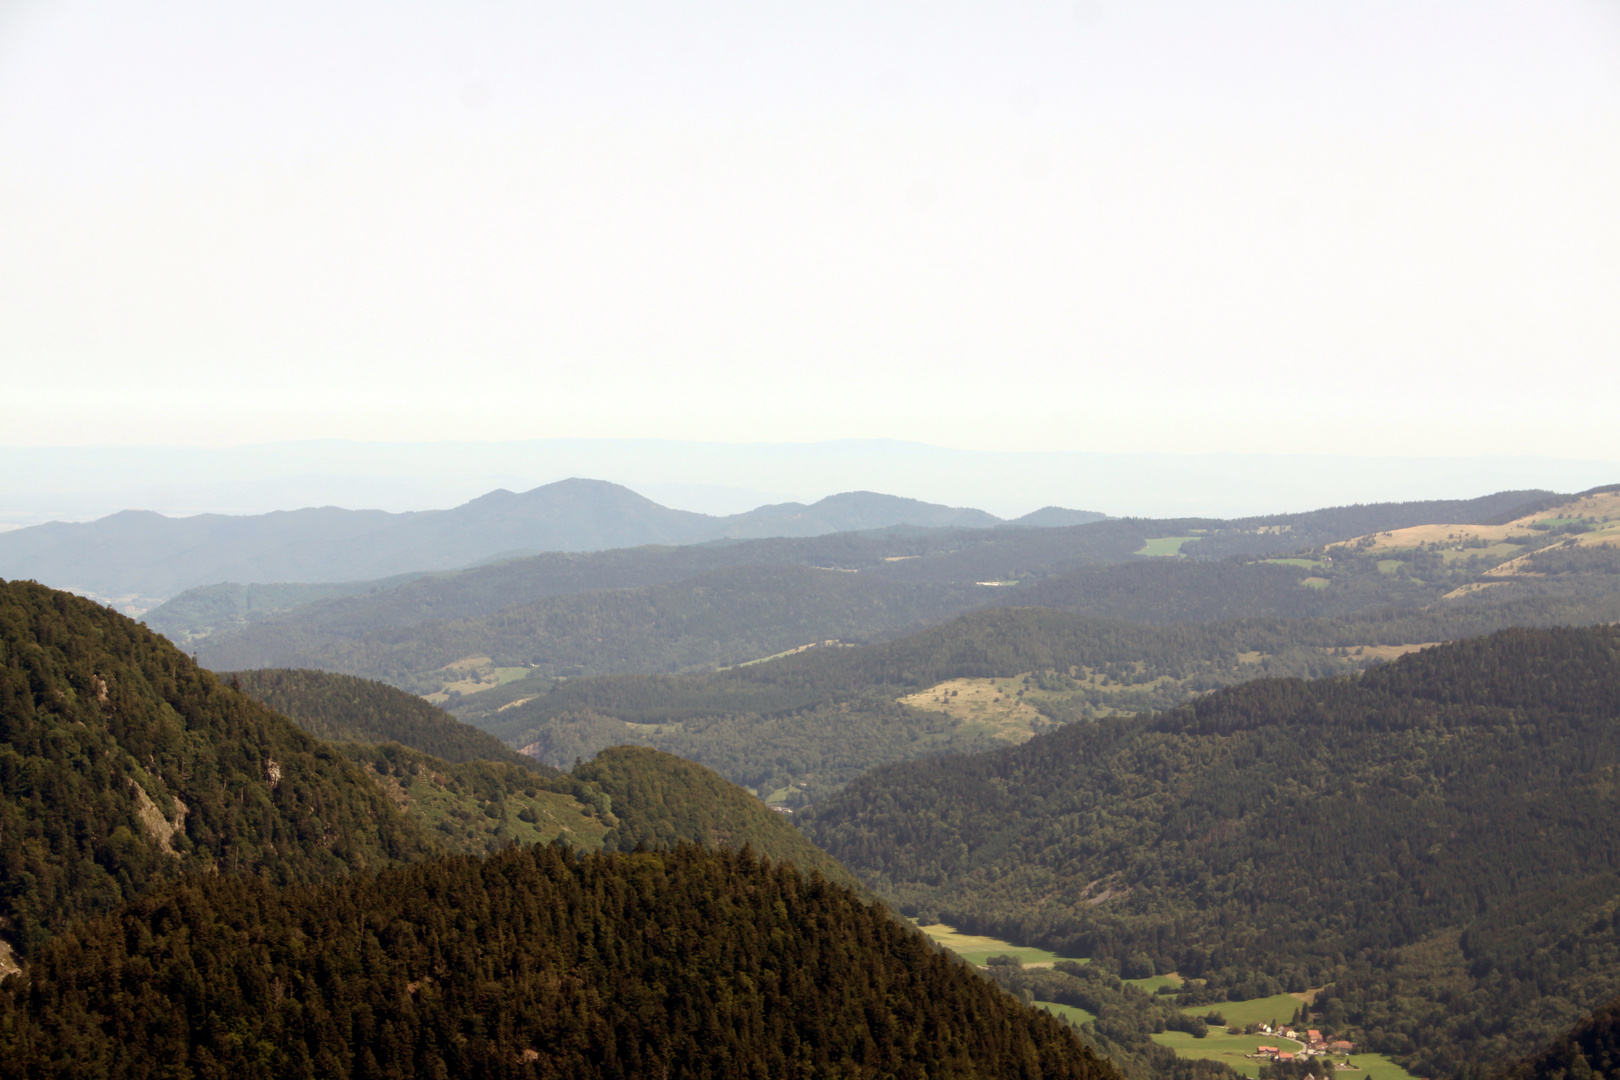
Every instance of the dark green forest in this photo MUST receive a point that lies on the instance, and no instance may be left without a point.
(536, 962)
(1588, 1051)
(123, 765)
(1436, 838)
(813, 721)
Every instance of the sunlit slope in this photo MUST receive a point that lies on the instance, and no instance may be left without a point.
(1591, 519)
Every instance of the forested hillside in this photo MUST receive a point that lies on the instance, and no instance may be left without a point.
(533, 963)
(1588, 1051)
(658, 800)
(727, 616)
(798, 727)
(123, 764)
(1436, 839)
(454, 635)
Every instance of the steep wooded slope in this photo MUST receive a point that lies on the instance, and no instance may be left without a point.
(659, 800)
(1438, 838)
(123, 764)
(533, 963)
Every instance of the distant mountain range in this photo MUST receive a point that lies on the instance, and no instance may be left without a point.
(137, 558)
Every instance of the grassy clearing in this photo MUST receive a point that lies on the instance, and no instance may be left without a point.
(1154, 982)
(983, 706)
(473, 675)
(1219, 1046)
(1496, 553)
(1165, 545)
(1315, 583)
(1376, 1067)
(464, 823)
(1072, 1013)
(976, 949)
(1280, 1008)
(1382, 652)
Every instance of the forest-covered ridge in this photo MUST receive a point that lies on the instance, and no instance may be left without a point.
(743, 612)
(124, 766)
(796, 728)
(722, 617)
(535, 962)
(1435, 840)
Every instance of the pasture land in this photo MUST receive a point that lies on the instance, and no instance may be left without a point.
(1279, 1008)
(1072, 1013)
(1218, 1045)
(976, 948)
(986, 706)
(1165, 545)
(472, 675)
(1376, 1067)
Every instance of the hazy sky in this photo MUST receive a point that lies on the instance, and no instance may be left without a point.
(1335, 227)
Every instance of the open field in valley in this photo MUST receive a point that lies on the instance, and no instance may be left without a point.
(976, 949)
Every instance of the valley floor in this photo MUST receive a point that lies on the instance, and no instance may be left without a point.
(1229, 1046)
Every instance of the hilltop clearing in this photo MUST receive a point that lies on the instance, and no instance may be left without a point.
(1434, 841)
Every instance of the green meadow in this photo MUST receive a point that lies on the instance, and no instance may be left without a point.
(1280, 1008)
(1376, 1067)
(976, 949)
(1072, 1013)
(1165, 545)
(1218, 1046)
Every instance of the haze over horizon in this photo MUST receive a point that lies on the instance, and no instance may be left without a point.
(1365, 229)
(83, 483)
